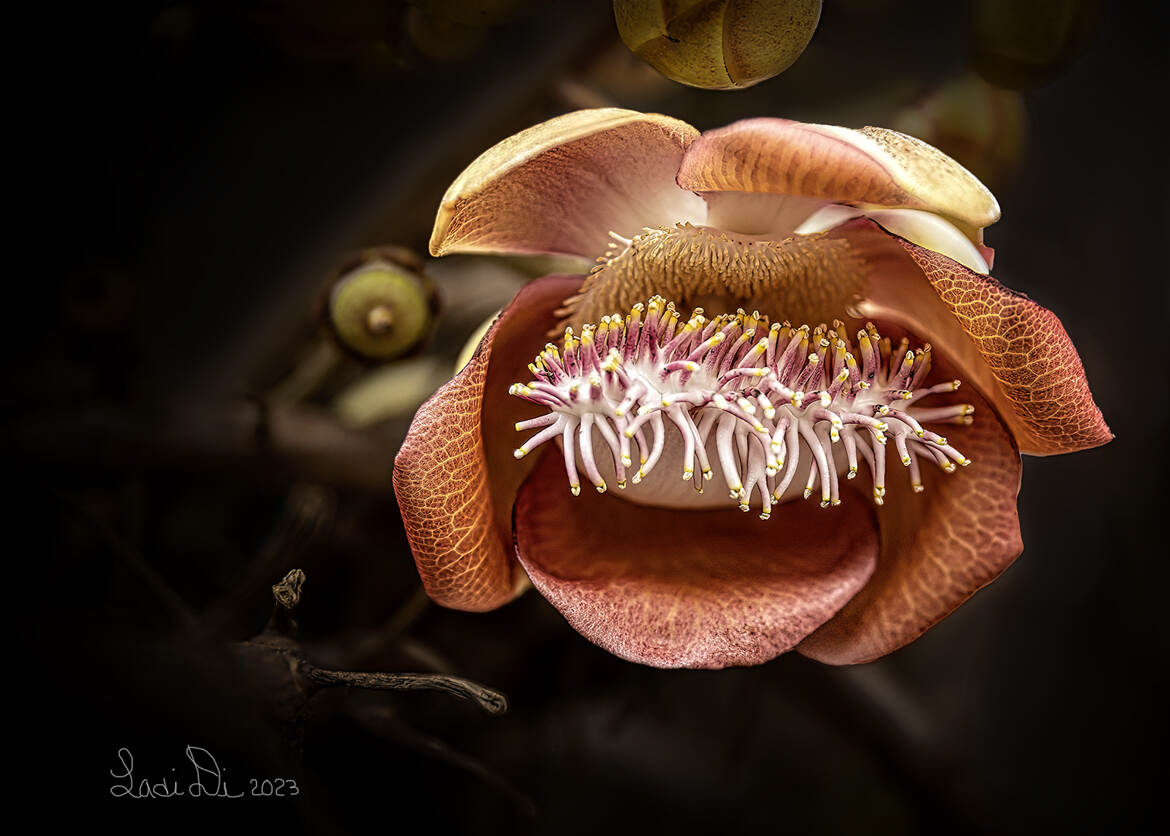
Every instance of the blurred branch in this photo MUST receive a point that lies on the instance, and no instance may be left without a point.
(875, 707)
(279, 442)
(182, 615)
(381, 721)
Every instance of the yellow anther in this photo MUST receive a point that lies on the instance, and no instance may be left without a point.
(575, 489)
(519, 452)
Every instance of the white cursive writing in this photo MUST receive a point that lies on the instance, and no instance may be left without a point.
(208, 780)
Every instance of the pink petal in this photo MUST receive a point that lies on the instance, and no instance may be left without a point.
(1013, 349)
(562, 186)
(937, 547)
(455, 483)
(870, 166)
(695, 589)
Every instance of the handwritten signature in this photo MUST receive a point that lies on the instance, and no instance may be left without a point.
(208, 780)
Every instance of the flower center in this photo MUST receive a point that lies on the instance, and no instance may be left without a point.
(758, 403)
(818, 274)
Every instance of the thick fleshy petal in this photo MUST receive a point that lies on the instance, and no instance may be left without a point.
(1030, 354)
(937, 547)
(562, 186)
(455, 484)
(697, 589)
(871, 166)
(1015, 350)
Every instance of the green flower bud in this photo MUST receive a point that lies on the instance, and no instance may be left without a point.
(380, 309)
(718, 44)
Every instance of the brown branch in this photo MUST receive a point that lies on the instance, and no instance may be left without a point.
(493, 702)
(287, 595)
(307, 514)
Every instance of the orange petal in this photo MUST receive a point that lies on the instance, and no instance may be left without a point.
(704, 589)
(454, 482)
(871, 166)
(937, 547)
(562, 186)
(1015, 350)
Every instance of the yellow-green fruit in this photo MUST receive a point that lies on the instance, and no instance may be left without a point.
(718, 44)
(380, 310)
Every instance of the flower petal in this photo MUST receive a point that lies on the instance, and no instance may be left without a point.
(454, 483)
(1015, 350)
(697, 589)
(873, 166)
(938, 547)
(928, 230)
(563, 185)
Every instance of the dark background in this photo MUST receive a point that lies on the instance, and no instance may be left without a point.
(198, 171)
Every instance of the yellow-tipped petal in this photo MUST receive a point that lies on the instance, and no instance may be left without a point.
(562, 186)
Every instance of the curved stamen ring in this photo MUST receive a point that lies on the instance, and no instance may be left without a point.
(763, 395)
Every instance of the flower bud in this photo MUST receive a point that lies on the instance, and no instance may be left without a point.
(718, 44)
(380, 309)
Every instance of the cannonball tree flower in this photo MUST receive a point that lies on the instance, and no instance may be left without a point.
(790, 320)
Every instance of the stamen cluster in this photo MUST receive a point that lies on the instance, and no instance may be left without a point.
(764, 394)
